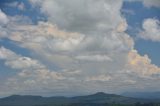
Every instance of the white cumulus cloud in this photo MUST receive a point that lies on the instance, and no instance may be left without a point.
(151, 30)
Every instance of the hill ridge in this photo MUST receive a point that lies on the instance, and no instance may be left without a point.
(97, 98)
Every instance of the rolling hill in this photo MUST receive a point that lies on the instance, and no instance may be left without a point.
(145, 95)
(98, 99)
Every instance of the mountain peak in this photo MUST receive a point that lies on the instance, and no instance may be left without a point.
(100, 93)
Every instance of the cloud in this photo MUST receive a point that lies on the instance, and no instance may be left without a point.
(30, 72)
(46, 35)
(6, 54)
(27, 65)
(16, 4)
(141, 64)
(80, 16)
(151, 3)
(94, 58)
(3, 18)
(82, 46)
(58, 36)
(151, 30)
(147, 3)
(99, 78)
(17, 61)
(23, 62)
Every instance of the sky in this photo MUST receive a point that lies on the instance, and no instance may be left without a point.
(76, 47)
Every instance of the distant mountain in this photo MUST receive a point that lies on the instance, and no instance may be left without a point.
(101, 97)
(145, 95)
(29, 100)
(97, 99)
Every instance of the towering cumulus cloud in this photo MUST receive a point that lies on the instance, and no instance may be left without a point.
(81, 48)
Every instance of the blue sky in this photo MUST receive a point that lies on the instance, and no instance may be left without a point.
(135, 21)
(54, 47)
